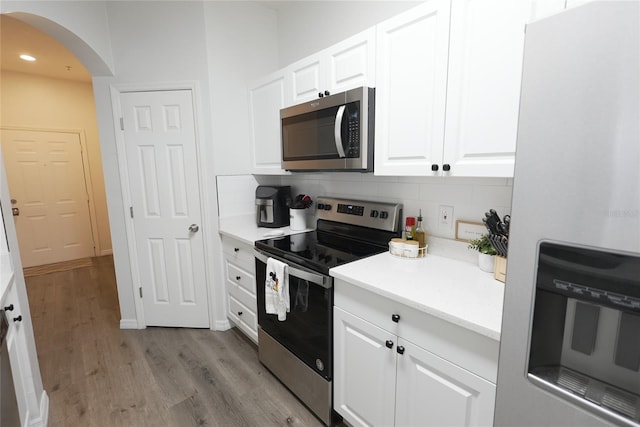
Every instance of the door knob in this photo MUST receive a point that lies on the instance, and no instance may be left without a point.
(194, 228)
(15, 211)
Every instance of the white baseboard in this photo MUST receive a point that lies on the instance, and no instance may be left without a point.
(221, 325)
(128, 324)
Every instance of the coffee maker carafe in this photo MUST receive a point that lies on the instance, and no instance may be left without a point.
(271, 206)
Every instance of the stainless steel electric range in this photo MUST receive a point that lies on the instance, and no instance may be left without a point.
(299, 350)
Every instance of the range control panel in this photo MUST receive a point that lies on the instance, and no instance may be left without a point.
(379, 215)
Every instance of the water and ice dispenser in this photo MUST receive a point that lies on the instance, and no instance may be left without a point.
(585, 336)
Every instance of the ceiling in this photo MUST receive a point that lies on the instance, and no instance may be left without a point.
(53, 59)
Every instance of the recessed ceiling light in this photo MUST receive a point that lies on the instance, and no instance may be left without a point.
(27, 58)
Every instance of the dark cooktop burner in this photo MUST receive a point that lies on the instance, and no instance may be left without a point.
(318, 250)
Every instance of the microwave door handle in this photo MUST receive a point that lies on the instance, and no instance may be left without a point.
(337, 131)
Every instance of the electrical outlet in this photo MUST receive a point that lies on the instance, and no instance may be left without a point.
(445, 216)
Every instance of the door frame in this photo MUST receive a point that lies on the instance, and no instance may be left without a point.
(194, 87)
(86, 171)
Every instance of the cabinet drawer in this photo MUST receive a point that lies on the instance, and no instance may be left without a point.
(243, 317)
(242, 278)
(239, 253)
(465, 348)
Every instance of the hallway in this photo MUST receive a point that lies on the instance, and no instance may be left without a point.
(98, 375)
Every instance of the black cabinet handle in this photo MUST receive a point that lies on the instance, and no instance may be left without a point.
(400, 349)
(446, 167)
(236, 249)
(389, 344)
(239, 313)
(395, 317)
(327, 93)
(18, 319)
(237, 277)
(434, 167)
(320, 95)
(9, 307)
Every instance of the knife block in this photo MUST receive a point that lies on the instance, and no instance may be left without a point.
(500, 268)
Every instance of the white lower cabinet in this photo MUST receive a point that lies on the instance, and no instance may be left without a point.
(383, 379)
(240, 281)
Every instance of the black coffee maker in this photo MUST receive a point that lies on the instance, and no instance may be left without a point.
(271, 205)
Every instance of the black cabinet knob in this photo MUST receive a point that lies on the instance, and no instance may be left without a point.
(239, 313)
(238, 277)
(400, 349)
(389, 344)
(395, 317)
(9, 307)
(320, 95)
(326, 93)
(446, 167)
(18, 319)
(236, 249)
(434, 167)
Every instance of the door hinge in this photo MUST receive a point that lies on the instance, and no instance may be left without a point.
(121, 123)
(131, 211)
(140, 289)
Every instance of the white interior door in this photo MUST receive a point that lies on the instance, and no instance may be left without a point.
(160, 141)
(46, 179)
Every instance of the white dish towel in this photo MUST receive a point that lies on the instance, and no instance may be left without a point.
(276, 289)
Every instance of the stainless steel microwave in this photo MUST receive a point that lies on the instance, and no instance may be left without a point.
(331, 133)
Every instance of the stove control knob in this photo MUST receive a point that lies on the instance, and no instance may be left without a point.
(374, 213)
(384, 215)
(327, 207)
(320, 206)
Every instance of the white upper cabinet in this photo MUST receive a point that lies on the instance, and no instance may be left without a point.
(448, 96)
(266, 98)
(345, 65)
(483, 93)
(411, 75)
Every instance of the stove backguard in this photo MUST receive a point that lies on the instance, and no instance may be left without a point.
(585, 336)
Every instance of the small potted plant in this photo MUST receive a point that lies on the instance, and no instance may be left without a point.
(486, 253)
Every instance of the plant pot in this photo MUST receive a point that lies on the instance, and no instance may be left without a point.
(486, 262)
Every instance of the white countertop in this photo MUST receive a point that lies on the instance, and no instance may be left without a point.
(455, 291)
(244, 228)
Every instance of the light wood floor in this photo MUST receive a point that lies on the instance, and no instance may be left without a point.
(98, 375)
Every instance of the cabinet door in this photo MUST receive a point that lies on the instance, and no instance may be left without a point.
(434, 392)
(411, 78)
(483, 95)
(305, 79)
(351, 63)
(364, 371)
(266, 98)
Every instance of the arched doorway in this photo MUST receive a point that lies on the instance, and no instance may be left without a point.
(50, 103)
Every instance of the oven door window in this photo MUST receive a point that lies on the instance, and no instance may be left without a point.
(311, 136)
(307, 330)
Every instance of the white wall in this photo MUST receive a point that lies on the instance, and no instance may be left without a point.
(305, 27)
(241, 46)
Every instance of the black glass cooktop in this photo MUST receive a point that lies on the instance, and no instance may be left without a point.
(321, 250)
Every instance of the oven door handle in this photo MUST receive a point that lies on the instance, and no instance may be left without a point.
(304, 274)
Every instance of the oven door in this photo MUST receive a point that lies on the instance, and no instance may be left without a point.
(308, 330)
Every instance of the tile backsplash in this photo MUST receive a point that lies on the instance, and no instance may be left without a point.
(469, 197)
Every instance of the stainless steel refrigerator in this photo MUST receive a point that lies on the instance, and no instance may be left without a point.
(570, 345)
